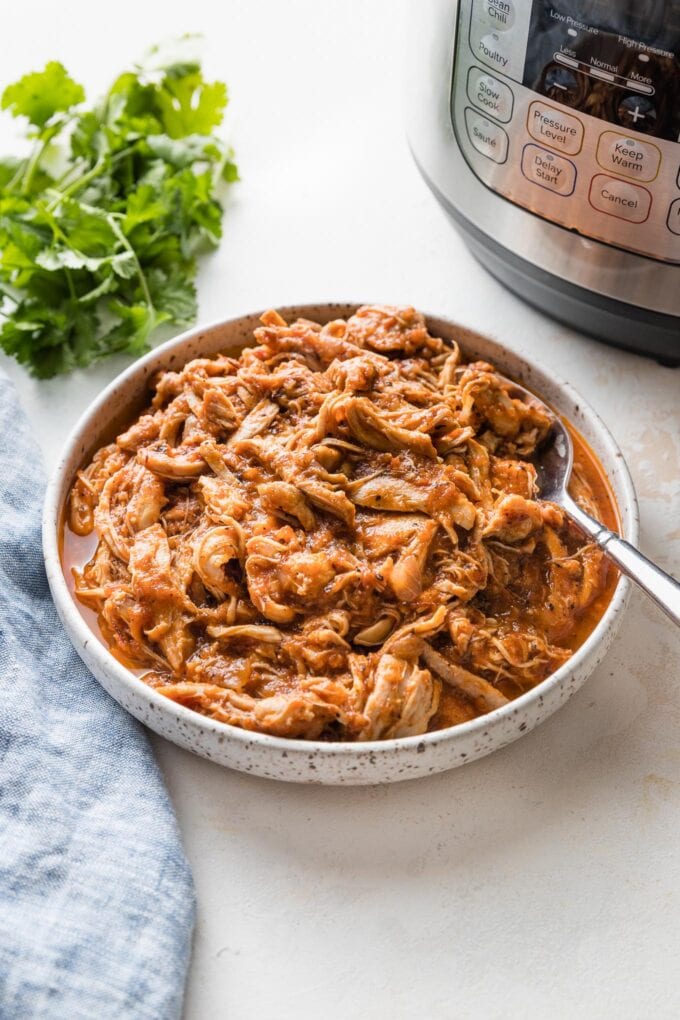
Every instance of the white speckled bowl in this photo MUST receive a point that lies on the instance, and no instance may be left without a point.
(312, 761)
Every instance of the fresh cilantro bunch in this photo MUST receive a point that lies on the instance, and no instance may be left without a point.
(101, 224)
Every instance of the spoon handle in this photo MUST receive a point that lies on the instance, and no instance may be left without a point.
(659, 585)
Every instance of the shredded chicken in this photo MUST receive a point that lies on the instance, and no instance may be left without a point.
(334, 536)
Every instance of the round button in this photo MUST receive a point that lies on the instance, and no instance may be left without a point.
(562, 85)
(492, 49)
(673, 221)
(497, 14)
(637, 113)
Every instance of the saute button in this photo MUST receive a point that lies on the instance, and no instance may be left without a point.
(488, 138)
(540, 166)
(555, 128)
(619, 198)
(498, 14)
(673, 220)
(629, 157)
(489, 94)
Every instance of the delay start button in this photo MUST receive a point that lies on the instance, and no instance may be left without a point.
(620, 198)
(555, 128)
(545, 168)
(630, 157)
(489, 94)
(488, 138)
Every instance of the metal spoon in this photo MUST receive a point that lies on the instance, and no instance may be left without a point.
(554, 462)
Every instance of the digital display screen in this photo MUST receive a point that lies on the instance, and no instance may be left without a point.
(618, 60)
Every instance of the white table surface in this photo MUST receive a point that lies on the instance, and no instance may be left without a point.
(545, 879)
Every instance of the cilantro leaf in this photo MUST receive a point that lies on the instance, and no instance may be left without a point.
(94, 258)
(189, 105)
(174, 293)
(137, 323)
(38, 96)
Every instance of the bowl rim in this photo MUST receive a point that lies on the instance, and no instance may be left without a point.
(65, 602)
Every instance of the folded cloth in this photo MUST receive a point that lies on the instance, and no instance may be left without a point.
(96, 897)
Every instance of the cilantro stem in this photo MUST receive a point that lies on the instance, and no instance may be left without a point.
(68, 173)
(78, 168)
(138, 266)
(26, 169)
(79, 183)
(9, 293)
(47, 136)
(32, 165)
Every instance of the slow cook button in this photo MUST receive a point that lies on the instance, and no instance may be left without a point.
(489, 94)
(548, 170)
(488, 138)
(555, 128)
(673, 220)
(629, 157)
(619, 198)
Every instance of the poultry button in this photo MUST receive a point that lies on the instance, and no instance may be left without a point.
(491, 49)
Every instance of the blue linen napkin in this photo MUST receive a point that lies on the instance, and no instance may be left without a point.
(96, 897)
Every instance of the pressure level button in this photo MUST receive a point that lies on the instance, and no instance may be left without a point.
(489, 94)
(555, 128)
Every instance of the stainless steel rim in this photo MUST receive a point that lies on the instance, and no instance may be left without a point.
(594, 266)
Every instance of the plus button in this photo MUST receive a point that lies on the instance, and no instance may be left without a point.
(637, 112)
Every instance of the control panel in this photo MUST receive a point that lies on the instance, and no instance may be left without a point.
(571, 110)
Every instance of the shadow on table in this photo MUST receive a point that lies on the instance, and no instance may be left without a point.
(603, 760)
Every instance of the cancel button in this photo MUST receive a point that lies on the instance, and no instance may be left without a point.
(620, 198)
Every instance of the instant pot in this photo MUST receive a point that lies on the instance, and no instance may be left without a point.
(550, 131)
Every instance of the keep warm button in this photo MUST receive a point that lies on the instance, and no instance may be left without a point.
(548, 170)
(619, 198)
(630, 157)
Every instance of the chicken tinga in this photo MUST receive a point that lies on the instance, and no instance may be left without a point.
(336, 535)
